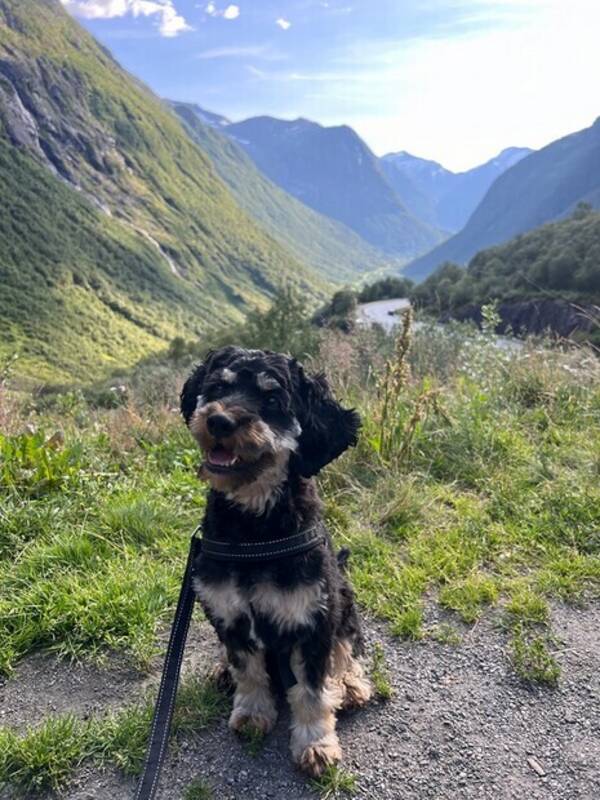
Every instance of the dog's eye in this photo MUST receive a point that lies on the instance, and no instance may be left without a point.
(272, 402)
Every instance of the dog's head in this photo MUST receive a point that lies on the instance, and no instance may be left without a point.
(256, 415)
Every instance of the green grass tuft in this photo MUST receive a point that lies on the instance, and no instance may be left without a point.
(335, 782)
(198, 790)
(532, 659)
(380, 675)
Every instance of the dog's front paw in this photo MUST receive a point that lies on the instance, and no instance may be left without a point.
(316, 757)
(241, 720)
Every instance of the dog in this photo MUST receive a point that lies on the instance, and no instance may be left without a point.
(266, 429)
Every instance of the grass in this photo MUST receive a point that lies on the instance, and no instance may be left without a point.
(198, 790)
(532, 658)
(45, 757)
(380, 675)
(493, 508)
(253, 738)
(334, 783)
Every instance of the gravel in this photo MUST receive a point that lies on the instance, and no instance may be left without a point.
(460, 724)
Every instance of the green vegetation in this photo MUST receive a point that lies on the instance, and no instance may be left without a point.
(253, 738)
(198, 790)
(532, 659)
(557, 261)
(380, 676)
(45, 757)
(475, 485)
(385, 288)
(328, 246)
(335, 783)
(116, 233)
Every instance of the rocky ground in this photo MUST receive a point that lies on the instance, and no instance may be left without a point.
(460, 724)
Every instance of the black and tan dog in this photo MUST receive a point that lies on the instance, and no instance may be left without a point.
(266, 429)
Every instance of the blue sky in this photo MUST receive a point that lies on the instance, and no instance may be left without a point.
(452, 80)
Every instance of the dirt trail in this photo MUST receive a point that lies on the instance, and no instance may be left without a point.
(459, 726)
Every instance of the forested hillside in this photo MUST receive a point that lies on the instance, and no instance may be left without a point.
(547, 278)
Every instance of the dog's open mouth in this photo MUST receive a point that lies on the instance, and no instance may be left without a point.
(223, 459)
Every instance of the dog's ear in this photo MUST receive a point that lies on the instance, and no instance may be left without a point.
(327, 428)
(192, 389)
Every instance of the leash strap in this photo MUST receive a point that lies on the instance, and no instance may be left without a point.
(163, 712)
(165, 703)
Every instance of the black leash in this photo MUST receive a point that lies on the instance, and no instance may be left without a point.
(163, 711)
(165, 703)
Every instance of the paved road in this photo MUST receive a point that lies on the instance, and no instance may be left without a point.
(380, 311)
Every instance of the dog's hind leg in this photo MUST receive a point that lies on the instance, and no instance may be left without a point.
(314, 740)
(253, 702)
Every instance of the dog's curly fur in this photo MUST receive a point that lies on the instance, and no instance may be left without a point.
(266, 429)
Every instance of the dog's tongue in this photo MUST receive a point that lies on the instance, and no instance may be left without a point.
(221, 456)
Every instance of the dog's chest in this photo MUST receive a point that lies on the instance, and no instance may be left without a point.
(283, 610)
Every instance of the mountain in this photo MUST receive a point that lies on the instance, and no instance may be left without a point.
(117, 233)
(545, 278)
(544, 186)
(331, 248)
(438, 196)
(334, 172)
(206, 117)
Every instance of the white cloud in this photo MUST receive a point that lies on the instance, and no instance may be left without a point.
(231, 12)
(170, 22)
(261, 52)
(284, 24)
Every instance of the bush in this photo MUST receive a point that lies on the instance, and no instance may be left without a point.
(285, 327)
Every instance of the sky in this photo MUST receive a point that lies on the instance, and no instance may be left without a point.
(455, 81)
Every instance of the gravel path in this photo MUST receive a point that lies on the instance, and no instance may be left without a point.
(459, 726)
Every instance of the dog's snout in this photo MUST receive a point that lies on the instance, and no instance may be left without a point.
(220, 425)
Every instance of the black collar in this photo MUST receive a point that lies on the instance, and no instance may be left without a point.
(264, 551)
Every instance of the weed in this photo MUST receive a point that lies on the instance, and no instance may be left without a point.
(253, 738)
(334, 783)
(198, 790)
(445, 634)
(531, 658)
(380, 675)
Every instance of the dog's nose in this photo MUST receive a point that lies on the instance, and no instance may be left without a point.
(220, 425)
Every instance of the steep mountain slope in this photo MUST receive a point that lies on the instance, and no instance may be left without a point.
(438, 196)
(113, 156)
(544, 186)
(331, 248)
(334, 172)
